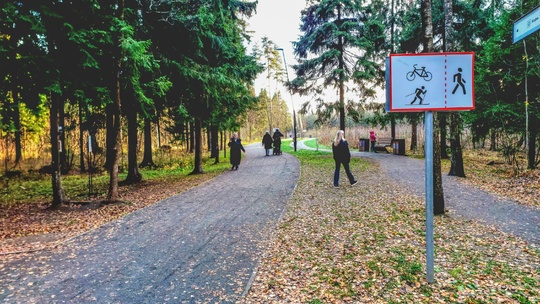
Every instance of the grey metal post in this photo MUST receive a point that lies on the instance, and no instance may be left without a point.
(429, 195)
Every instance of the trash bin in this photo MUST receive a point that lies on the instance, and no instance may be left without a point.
(364, 144)
(398, 146)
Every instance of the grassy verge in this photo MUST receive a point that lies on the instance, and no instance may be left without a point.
(314, 143)
(365, 244)
(36, 188)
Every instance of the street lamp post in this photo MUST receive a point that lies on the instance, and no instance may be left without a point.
(292, 102)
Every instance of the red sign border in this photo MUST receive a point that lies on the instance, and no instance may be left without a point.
(423, 109)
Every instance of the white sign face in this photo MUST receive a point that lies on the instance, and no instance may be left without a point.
(526, 25)
(431, 82)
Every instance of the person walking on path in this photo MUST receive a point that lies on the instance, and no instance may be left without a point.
(267, 142)
(277, 141)
(372, 140)
(236, 146)
(342, 156)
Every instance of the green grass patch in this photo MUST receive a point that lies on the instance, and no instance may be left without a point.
(37, 188)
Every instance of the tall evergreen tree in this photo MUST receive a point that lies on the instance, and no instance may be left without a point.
(339, 45)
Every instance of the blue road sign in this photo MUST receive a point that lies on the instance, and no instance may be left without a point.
(526, 25)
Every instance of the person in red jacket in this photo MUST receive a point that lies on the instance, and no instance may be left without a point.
(372, 140)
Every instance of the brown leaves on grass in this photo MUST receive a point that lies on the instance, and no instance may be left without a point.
(30, 227)
(366, 244)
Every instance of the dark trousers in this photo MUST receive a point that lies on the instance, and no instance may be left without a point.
(347, 170)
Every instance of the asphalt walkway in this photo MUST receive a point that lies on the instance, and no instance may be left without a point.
(460, 199)
(201, 246)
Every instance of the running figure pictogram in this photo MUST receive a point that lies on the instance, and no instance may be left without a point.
(418, 95)
(460, 82)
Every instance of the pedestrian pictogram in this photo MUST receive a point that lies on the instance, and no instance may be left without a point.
(460, 82)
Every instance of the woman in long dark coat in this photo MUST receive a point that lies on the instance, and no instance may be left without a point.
(267, 142)
(236, 146)
(277, 141)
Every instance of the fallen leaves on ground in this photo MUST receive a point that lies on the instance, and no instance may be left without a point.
(31, 227)
(488, 171)
(362, 244)
(366, 244)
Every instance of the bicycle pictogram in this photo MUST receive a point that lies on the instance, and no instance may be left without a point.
(421, 72)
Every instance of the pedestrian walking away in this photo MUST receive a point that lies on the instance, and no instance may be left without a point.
(236, 146)
(267, 142)
(277, 141)
(372, 140)
(342, 156)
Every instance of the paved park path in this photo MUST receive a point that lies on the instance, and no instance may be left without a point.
(460, 199)
(201, 246)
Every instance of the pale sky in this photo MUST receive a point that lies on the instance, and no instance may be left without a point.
(279, 20)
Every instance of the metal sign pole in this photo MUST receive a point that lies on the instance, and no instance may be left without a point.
(429, 195)
(90, 182)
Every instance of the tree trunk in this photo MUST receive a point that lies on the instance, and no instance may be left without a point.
(456, 162)
(158, 133)
(533, 134)
(209, 138)
(82, 167)
(214, 143)
(113, 130)
(414, 135)
(147, 158)
(392, 126)
(493, 141)
(113, 134)
(442, 127)
(223, 148)
(438, 194)
(63, 151)
(341, 79)
(58, 191)
(133, 174)
(216, 135)
(17, 124)
(197, 164)
(191, 137)
(438, 197)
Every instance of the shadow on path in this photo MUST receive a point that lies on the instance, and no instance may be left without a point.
(200, 246)
(460, 199)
